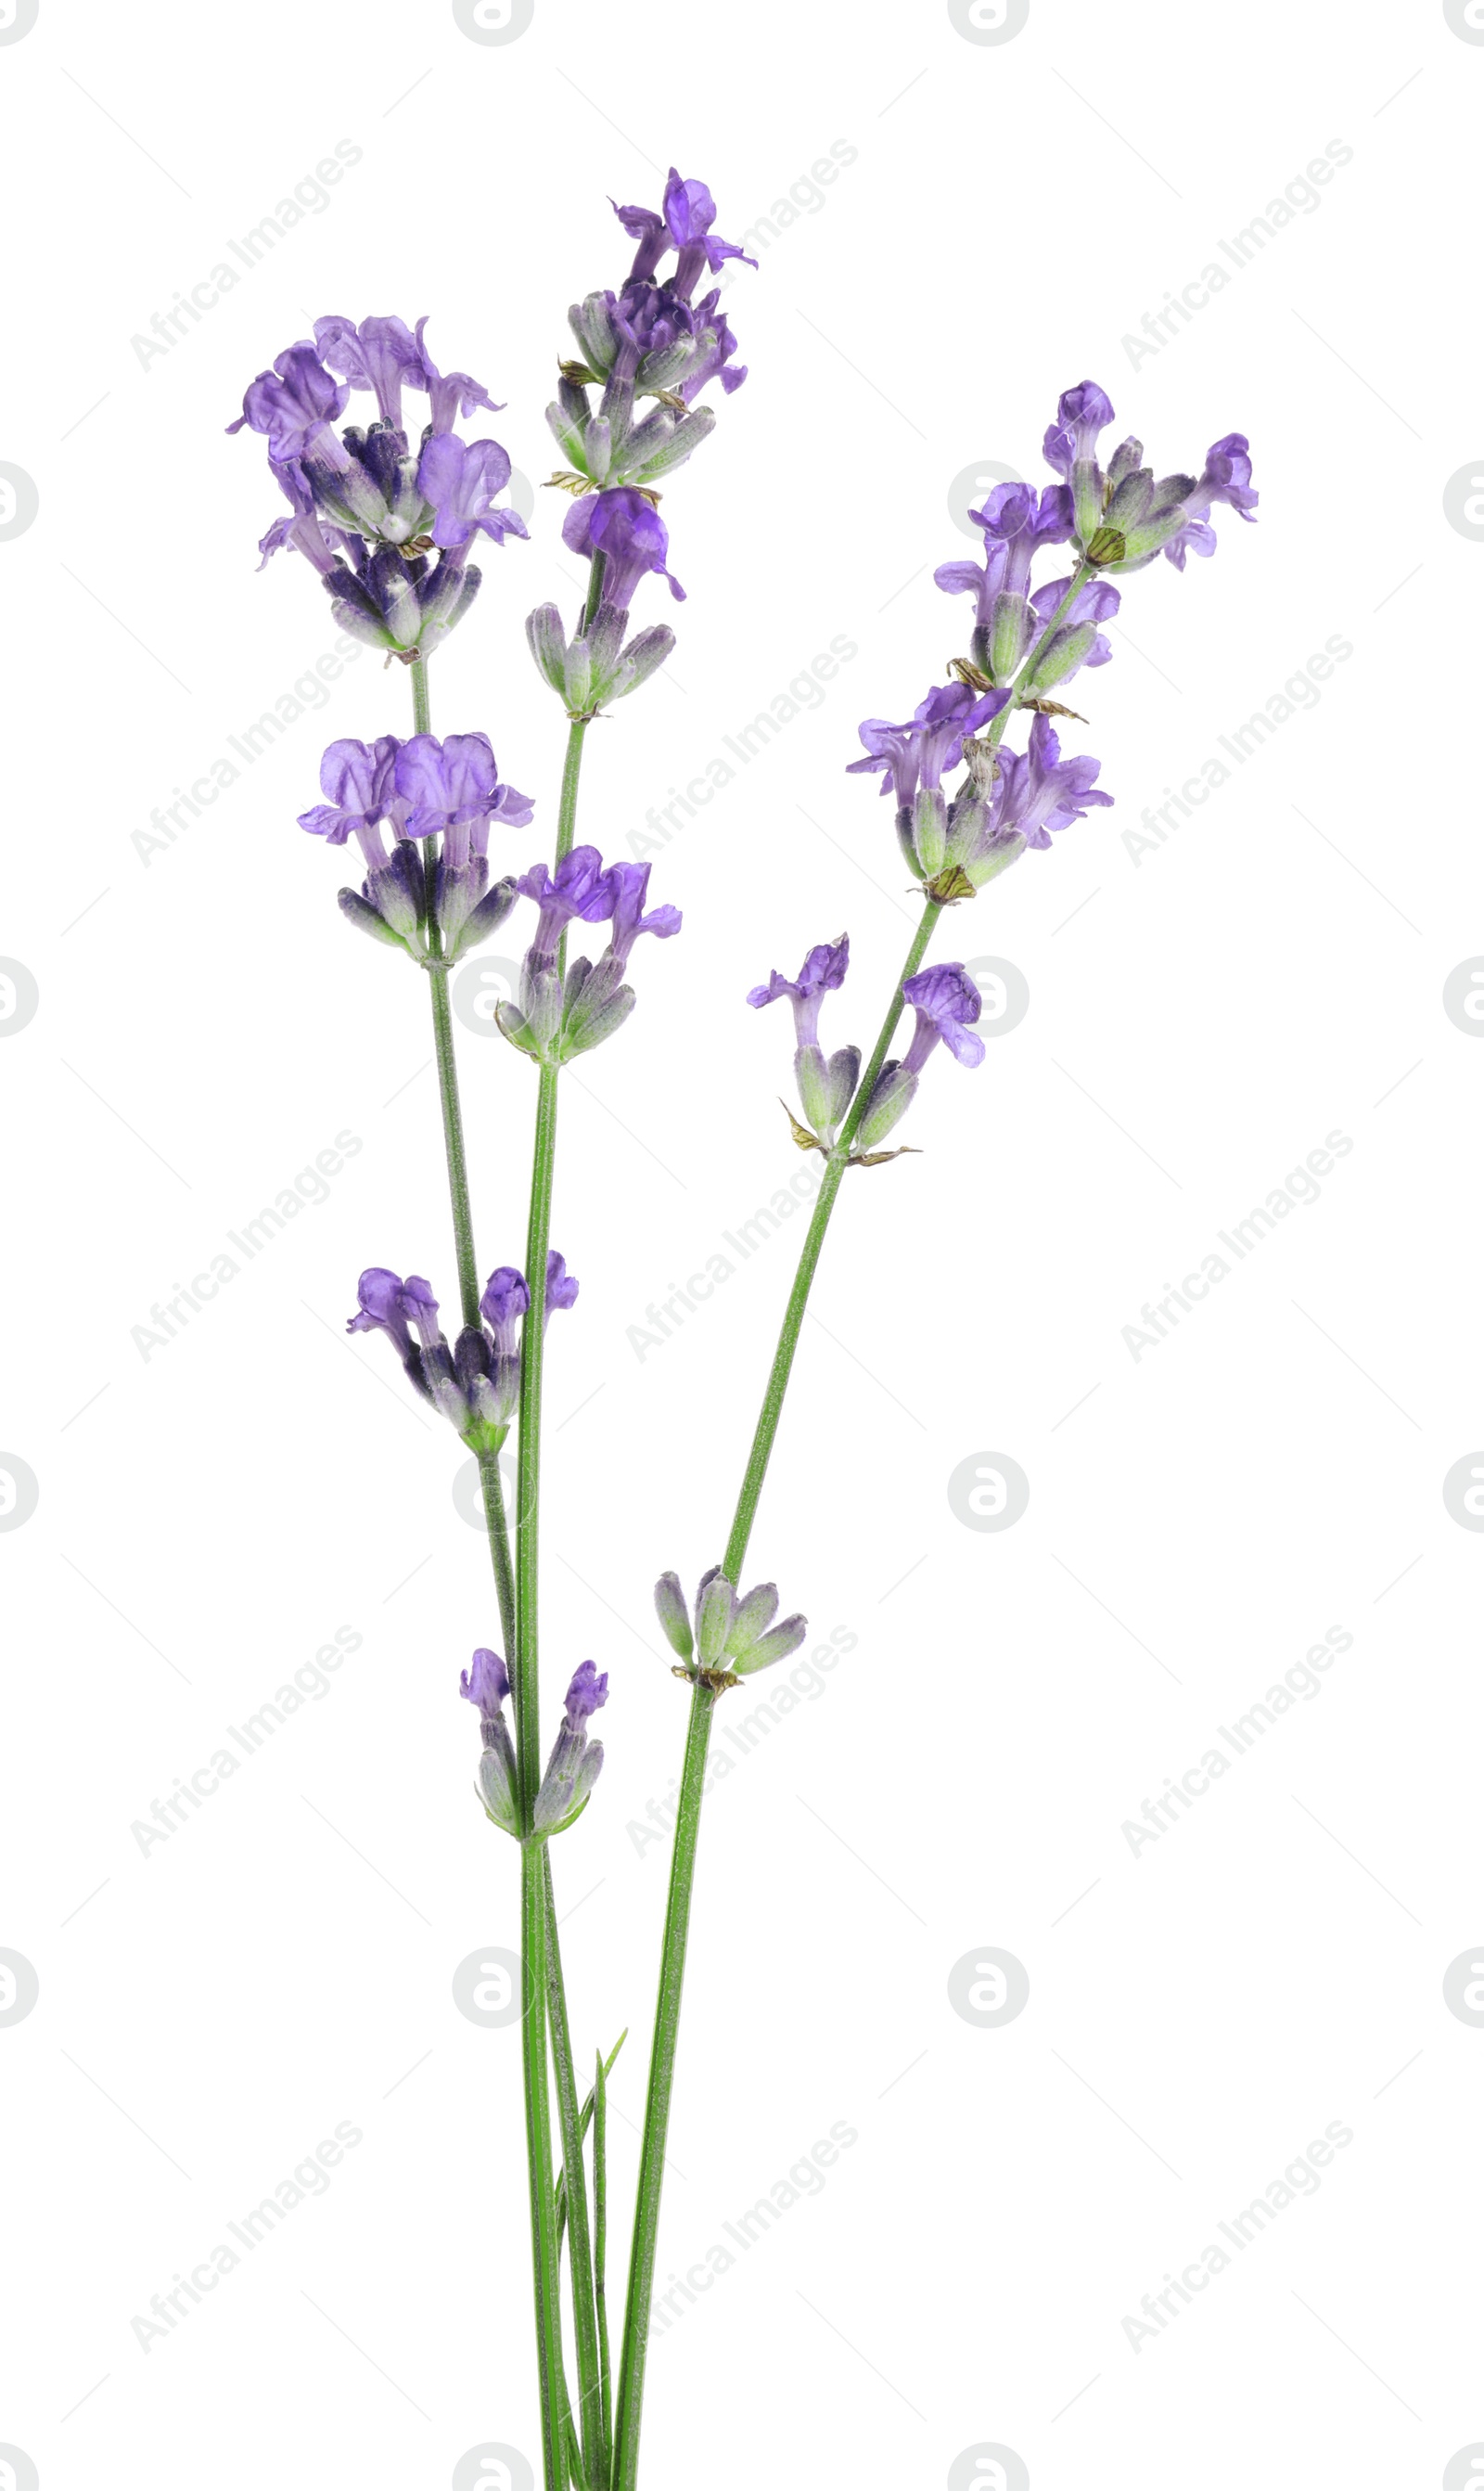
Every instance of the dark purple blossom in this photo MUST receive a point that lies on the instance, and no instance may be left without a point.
(379, 354)
(823, 972)
(458, 481)
(624, 527)
(628, 885)
(575, 1762)
(359, 781)
(505, 1300)
(397, 604)
(685, 224)
(1037, 792)
(1226, 478)
(477, 1384)
(580, 888)
(293, 403)
(1013, 518)
(451, 785)
(946, 1002)
(562, 1286)
(486, 1682)
(1070, 447)
(587, 1694)
(303, 531)
(917, 753)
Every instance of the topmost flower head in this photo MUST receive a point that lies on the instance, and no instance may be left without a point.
(1125, 517)
(683, 225)
(652, 339)
(367, 493)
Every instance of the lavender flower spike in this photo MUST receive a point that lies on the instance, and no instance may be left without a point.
(624, 527)
(1070, 447)
(912, 758)
(825, 1089)
(727, 1629)
(293, 403)
(487, 1682)
(947, 1003)
(562, 1286)
(459, 481)
(598, 665)
(574, 1762)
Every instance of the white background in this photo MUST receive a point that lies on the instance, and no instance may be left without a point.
(1200, 1019)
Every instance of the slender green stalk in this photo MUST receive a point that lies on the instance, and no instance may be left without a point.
(537, 1910)
(443, 1047)
(600, 2254)
(703, 1702)
(495, 1525)
(687, 1819)
(533, 1877)
(590, 2423)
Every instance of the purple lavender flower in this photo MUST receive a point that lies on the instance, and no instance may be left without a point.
(454, 784)
(628, 886)
(1037, 792)
(1077, 642)
(1227, 476)
(562, 1286)
(379, 354)
(685, 223)
(912, 758)
(825, 1089)
(691, 212)
(303, 531)
(396, 604)
(624, 527)
(1070, 447)
(580, 888)
(823, 974)
(575, 1762)
(559, 1016)
(423, 789)
(359, 781)
(293, 403)
(398, 1307)
(982, 581)
(1013, 518)
(477, 1384)
(946, 1002)
(487, 1683)
(452, 791)
(459, 480)
(917, 753)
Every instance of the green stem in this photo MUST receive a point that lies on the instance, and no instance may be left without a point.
(498, 1531)
(687, 1821)
(538, 1914)
(533, 1869)
(601, 2256)
(574, 2174)
(443, 1048)
(543, 2228)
